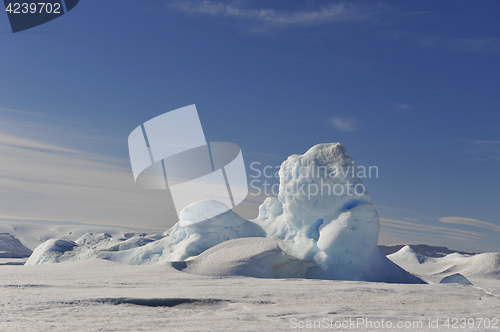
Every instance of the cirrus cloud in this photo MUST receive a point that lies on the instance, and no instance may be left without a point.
(261, 19)
(344, 124)
(470, 222)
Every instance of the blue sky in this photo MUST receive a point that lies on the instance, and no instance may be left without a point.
(411, 87)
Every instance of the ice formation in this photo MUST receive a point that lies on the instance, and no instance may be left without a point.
(51, 251)
(179, 242)
(11, 247)
(456, 278)
(322, 217)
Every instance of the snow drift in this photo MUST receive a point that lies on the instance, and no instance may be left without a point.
(322, 217)
(251, 257)
(486, 265)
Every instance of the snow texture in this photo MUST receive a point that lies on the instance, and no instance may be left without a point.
(99, 295)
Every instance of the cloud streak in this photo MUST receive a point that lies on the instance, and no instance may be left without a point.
(264, 18)
(470, 222)
(483, 150)
(344, 124)
(44, 181)
(477, 45)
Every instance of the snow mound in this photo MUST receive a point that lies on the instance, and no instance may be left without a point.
(181, 242)
(251, 257)
(485, 265)
(61, 250)
(456, 278)
(51, 251)
(407, 254)
(10, 247)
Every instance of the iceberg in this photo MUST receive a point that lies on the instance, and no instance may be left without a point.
(323, 215)
(322, 218)
(181, 242)
(11, 247)
(456, 278)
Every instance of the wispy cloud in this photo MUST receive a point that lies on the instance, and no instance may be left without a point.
(473, 45)
(401, 107)
(393, 231)
(38, 115)
(422, 228)
(45, 181)
(488, 44)
(344, 124)
(264, 18)
(470, 222)
(484, 150)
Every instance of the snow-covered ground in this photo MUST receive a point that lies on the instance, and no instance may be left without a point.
(212, 291)
(100, 295)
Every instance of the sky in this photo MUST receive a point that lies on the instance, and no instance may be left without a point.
(409, 87)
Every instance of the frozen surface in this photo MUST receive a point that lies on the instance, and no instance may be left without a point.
(10, 247)
(99, 295)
